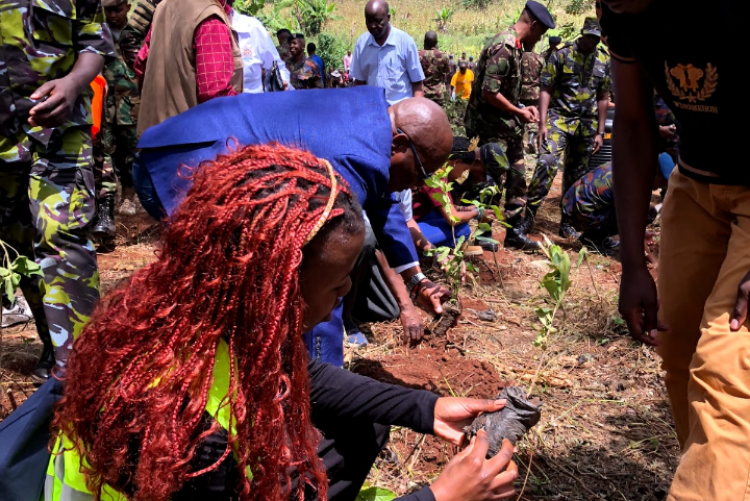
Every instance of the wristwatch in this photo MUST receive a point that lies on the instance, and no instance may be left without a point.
(414, 283)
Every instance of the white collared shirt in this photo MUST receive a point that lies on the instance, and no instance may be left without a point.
(258, 52)
(395, 66)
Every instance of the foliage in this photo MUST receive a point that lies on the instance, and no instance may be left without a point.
(276, 21)
(331, 50)
(249, 7)
(453, 260)
(475, 4)
(11, 270)
(317, 15)
(444, 16)
(375, 494)
(556, 282)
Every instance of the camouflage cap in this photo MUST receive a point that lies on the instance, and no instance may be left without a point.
(591, 27)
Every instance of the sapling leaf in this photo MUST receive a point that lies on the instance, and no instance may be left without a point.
(26, 267)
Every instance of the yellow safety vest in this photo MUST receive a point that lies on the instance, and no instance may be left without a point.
(65, 482)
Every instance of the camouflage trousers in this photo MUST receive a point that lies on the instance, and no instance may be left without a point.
(577, 147)
(503, 156)
(114, 152)
(46, 204)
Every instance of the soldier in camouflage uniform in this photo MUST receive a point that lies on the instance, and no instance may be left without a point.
(50, 52)
(436, 67)
(134, 34)
(304, 73)
(531, 90)
(495, 113)
(575, 85)
(118, 138)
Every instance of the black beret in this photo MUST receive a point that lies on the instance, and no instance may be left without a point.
(541, 13)
(554, 41)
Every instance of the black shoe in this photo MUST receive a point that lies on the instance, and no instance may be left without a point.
(487, 246)
(105, 219)
(567, 231)
(604, 245)
(43, 369)
(515, 238)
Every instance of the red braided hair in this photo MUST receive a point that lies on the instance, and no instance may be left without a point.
(138, 379)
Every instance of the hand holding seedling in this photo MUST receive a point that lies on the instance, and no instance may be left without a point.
(471, 477)
(453, 415)
(431, 296)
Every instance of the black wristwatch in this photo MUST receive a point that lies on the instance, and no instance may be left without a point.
(414, 283)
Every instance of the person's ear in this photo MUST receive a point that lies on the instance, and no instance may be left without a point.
(400, 144)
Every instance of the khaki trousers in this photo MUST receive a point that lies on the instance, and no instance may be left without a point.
(705, 254)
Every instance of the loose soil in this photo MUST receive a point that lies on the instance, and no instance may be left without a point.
(606, 431)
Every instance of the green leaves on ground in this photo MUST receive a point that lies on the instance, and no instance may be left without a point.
(376, 494)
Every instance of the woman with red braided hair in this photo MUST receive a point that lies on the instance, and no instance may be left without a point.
(192, 381)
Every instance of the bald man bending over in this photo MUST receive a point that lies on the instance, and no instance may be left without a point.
(387, 57)
(382, 149)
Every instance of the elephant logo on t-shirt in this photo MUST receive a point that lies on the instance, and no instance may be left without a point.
(684, 81)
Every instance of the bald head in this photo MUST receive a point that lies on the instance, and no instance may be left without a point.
(375, 7)
(430, 40)
(425, 125)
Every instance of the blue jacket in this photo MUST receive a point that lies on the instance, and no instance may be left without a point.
(350, 128)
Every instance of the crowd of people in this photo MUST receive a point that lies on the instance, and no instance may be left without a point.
(292, 204)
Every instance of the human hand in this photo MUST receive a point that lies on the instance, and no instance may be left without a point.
(739, 316)
(667, 132)
(542, 136)
(598, 143)
(471, 477)
(412, 323)
(61, 96)
(452, 415)
(528, 114)
(639, 305)
(431, 296)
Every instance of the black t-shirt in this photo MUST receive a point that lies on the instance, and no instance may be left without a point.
(674, 43)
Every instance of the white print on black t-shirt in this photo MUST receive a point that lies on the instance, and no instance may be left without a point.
(692, 84)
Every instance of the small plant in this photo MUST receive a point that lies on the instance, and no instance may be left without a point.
(13, 266)
(317, 15)
(375, 494)
(444, 16)
(453, 259)
(556, 282)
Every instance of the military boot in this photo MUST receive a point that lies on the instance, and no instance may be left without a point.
(567, 230)
(105, 219)
(516, 238)
(43, 369)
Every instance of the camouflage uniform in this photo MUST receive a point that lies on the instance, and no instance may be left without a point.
(531, 89)
(590, 202)
(436, 71)
(119, 138)
(46, 178)
(285, 54)
(305, 75)
(499, 70)
(576, 82)
(134, 34)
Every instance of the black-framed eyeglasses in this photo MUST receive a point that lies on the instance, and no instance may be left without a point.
(422, 172)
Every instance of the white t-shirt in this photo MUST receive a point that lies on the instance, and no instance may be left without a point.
(405, 204)
(258, 52)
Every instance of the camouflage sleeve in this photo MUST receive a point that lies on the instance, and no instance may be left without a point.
(550, 71)
(91, 33)
(498, 67)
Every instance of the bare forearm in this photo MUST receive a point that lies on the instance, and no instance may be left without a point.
(86, 68)
(418, 89)
(500, 102)
(462, 216)
(393, 281)
(544, 106)
(420, 241)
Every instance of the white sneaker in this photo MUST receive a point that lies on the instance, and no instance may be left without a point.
(18, 313)
(127, 208)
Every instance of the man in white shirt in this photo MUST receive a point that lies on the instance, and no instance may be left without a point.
(258, 53)
(348, 61)
(387, 57)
